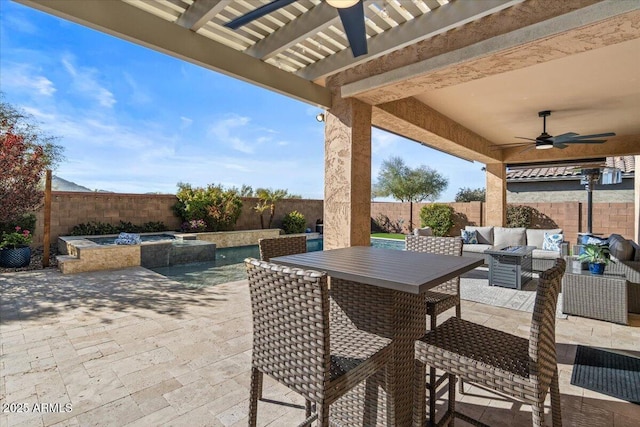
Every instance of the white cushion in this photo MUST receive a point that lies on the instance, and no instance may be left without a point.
(426, 231)
(479, 248)
(535, 237)
(485, 234)
(503, 236)
(542, 254)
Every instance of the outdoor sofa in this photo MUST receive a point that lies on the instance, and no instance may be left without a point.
(490, 236)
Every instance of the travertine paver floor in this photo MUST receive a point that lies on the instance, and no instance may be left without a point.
(132, 348)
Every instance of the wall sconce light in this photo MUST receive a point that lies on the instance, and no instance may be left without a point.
(320, 117)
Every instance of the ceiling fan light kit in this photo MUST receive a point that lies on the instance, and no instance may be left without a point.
(342, 4)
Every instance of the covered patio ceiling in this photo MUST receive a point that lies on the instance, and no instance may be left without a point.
(462, 76)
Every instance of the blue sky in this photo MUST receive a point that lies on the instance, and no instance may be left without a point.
(134, 120)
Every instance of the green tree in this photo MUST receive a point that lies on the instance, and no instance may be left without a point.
(408, 184)
(466, 194)
(439, 217)
(268, 199)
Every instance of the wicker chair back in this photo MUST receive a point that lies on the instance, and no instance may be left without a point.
(281, 246)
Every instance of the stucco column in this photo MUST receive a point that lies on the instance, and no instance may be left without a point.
(347, 174)
(496, 202)
(636, 199)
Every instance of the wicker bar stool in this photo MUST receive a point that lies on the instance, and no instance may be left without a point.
(281, 246)
(440, 298)
(295, 343)
(521, 368)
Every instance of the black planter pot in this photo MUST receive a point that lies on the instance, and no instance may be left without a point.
(15, 257)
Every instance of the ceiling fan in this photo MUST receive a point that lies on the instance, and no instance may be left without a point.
(351, 14)
(546, 141)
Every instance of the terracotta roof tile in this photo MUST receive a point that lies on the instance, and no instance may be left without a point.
(625, 163)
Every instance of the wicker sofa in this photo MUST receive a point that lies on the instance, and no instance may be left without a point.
(611, 296)
(491, 236)
(626, 256)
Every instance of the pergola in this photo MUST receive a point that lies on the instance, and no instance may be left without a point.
(462, 76)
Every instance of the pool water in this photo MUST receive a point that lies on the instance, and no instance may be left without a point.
(229, 267)
(144, 237)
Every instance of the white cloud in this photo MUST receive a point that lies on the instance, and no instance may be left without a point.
(227, 131)
(25, 77)
(85, 82)
(137, 94)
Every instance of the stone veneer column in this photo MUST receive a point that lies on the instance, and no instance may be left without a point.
(347, 174)
(496, 204)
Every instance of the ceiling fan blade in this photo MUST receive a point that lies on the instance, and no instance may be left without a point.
(257, 13)
(597, 135)
(528, 139)
(559, 145)
(585, 141)
(353, 22)
(505, 146)
(531, 147)
(564, 137)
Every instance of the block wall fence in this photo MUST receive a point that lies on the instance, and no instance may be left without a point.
(72, 208)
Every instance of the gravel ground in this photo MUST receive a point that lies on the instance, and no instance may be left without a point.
(36, 260)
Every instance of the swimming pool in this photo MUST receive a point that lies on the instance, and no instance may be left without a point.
(227, 267)
(110, 240)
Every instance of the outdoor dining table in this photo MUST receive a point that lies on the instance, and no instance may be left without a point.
(381, 291)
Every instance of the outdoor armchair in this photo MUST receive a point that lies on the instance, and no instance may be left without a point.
(281, 246)
(295, 343)
(442, 297)
(521, 368)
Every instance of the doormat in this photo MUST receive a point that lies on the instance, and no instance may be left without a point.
(608, 373)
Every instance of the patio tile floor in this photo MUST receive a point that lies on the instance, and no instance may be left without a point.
(130, 347)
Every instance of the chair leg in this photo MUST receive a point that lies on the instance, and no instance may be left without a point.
(537, 413)
(452, 399)
(556, 411)
(307, 408)
(419, 394)
(432, 396)
(323, 414)
(256, 391)
(459, 316)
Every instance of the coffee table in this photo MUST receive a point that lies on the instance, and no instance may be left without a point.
(509, 266)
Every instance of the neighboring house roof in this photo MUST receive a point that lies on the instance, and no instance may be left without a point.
(625, 163)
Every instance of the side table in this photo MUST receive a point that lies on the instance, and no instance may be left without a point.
(602, 297)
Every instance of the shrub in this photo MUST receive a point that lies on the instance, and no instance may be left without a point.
(519, 216)
(193, 226)
(26, 222)
(95, 228)
(383, 223)
(437, 216)
(219, 208)
(294, 222)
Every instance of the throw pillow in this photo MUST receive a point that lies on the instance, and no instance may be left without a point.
(469, 237)
(552, 241)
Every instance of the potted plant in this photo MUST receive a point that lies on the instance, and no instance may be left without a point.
(597, 256)
(14, 248)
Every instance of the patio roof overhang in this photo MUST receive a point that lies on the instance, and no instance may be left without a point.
(461, 76)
